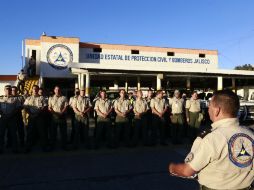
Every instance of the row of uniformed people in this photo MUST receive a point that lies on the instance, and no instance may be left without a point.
(149, 116)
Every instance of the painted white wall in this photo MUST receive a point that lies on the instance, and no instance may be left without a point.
(146, 65)
(42, 66)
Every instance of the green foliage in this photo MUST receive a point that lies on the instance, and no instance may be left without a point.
(247, 67)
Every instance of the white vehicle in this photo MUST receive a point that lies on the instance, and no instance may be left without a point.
(246, 112)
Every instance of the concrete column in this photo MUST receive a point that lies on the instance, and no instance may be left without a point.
(159, 77)
(76, 83)
(116, 85)
(234, 88)
(79, 80)
(87, 84)
(138, 83)
(188, 84)
(126, 86)
(82, 80)
(219, 83)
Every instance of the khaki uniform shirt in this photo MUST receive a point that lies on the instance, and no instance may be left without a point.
(122, 105)
(81, 103)
(193, 105)
(57, 103)
(72, 100)
(103, 105)
(176, 105)
(140, 106)
(158, 104)
(224, 157)
(34, 104)
(8, 105)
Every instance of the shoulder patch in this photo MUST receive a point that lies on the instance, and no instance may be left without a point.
(241, 150)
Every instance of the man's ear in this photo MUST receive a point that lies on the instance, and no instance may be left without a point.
(217, 111)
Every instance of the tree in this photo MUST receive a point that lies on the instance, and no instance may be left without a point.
(248, 67)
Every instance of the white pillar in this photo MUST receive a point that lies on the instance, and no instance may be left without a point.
(87, 84)
(159, 77)
(188, 84)
(79, 80)
(82, 80)
(138, 83)
(126, 86)
(116, 85)
(76, 83)
(219, 83)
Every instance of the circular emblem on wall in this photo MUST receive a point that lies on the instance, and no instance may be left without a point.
(59, 56)
(241, 150)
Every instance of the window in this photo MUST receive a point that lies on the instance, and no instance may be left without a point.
(170, 53)
(98, 50)
(134, 51)
(202, 55)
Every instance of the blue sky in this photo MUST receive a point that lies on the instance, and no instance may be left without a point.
(223, 25)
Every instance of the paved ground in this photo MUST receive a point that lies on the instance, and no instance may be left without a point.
(123, 168)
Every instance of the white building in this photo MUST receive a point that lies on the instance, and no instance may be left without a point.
(68, 62)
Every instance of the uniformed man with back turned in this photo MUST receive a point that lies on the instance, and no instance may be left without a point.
(222, 158)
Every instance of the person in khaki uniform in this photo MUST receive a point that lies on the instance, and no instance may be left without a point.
(140, 108)
(149, 115)
(8, 111)
(57, 106)
(193, 109)
(177, 120)
(159, 107)
(19, 119)
(72, 113)
(81, 107)
(34, 106)
(223, 158)
(122, 108)
(103, 108)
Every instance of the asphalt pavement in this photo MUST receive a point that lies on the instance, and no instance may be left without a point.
(105, 169)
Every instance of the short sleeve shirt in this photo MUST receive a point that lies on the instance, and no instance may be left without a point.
(158, 104)
(193, 105)
(140, 105)
(57, 103)
(8, 104)
(224, 158)
(176, 105)
(81, 103)
(122, 105)
(103, 105)
(34, 104)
